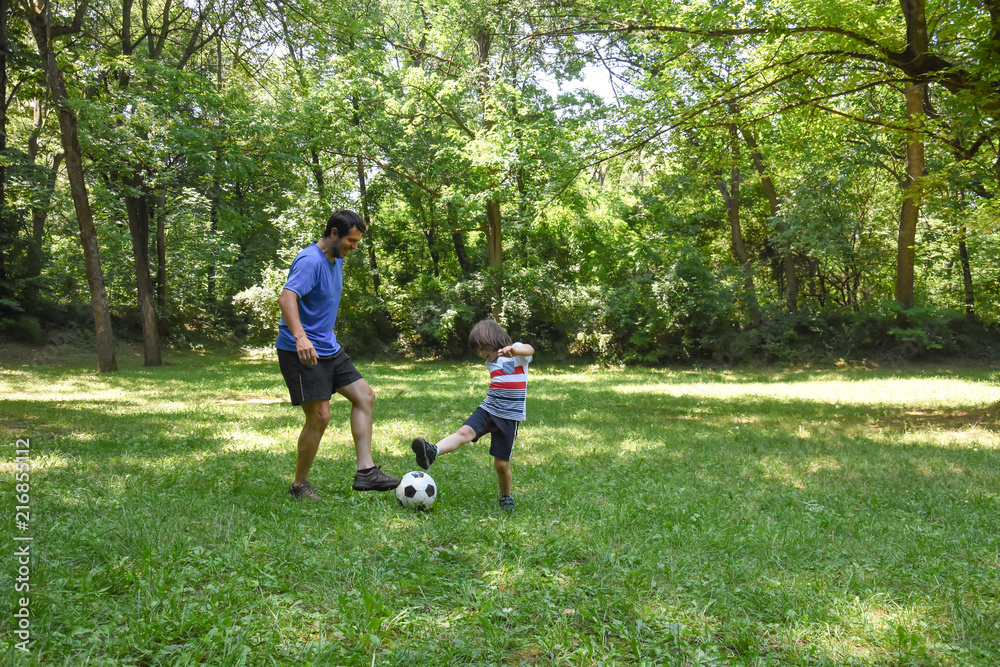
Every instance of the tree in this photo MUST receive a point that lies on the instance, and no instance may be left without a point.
(910, 212)
(39, 13)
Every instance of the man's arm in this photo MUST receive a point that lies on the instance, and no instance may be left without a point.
(288, 301)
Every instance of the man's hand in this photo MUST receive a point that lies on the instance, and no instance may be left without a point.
(304, 348)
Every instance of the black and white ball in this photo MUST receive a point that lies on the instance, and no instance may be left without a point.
(416, 490)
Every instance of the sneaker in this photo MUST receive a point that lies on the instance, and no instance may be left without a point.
(374, 479)
(507, 503)
(304, 490)
(426, 452)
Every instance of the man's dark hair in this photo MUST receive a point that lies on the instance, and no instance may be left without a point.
(343, 221)
(488, 334)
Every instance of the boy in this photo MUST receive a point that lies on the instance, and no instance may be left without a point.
(501, 412)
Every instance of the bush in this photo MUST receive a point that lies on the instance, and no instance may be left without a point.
(257, 306)
(22, 329)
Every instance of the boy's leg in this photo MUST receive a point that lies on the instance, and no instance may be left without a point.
(505, 479)
(457, 439)
(427, 452)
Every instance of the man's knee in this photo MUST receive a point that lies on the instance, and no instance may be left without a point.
(364, 398)
(317, 413)
(467, 433)
(360, 394)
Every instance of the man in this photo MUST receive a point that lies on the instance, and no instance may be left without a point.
(314, 364)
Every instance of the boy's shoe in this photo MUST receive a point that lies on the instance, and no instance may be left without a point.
(507, 503)
(304, 490)
(426, 452)
(373, 479)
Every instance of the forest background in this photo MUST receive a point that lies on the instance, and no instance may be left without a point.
(760, 180)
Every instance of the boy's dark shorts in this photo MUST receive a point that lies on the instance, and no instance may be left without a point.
(319, 382)
(504, 432)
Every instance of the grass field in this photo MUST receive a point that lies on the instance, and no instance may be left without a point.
(665, 517)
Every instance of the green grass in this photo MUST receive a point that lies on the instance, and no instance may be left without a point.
(665, 517)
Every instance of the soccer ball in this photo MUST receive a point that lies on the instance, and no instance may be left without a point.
(416, 491)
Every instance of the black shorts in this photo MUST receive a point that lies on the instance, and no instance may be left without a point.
(504, 432)
(319, 382)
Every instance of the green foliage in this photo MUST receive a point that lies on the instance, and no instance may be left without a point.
(434, 317)
(258, 306)
(616, 241)
(23, 329)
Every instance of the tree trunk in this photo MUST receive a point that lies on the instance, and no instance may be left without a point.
(458, 241)
(137, 200)
(787, 257)
(731, 195)
(41, 27)
(137, 207)
(494, 250)
(910, 212)
(39, 217)
(970, 295)
(161, 248)
(216, 196)
(4, 291)
(366, 216)
(483, 39)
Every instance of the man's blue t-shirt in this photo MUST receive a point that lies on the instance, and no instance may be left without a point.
(319, 283)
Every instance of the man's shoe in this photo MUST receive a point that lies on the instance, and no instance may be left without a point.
(304, 490)
(426, 452)
(374, 479)
(507, 503)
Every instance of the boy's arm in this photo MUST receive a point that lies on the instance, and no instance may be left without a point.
(520, 350)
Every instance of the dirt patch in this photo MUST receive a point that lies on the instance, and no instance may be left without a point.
(987, 418)
(252, 400)
(66, 354)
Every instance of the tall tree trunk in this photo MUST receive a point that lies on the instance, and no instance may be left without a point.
(365, 215)
(4, 5)
(216, 197)
(910, 212)
(39, 217)
(787, 257)
(39, 18)
(161, 247)
(137, 202)
(970, 295)
(137, 207)
(458, 241)
(483, 39)
(494, 251)
(731, 195)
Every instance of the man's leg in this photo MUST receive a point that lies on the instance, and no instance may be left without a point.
(362, 398)
(317, 417)
(368, 477)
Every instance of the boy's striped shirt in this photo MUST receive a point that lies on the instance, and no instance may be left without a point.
(508, 393)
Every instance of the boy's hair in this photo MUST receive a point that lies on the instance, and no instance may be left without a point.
(343, 221)
(488, 334)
